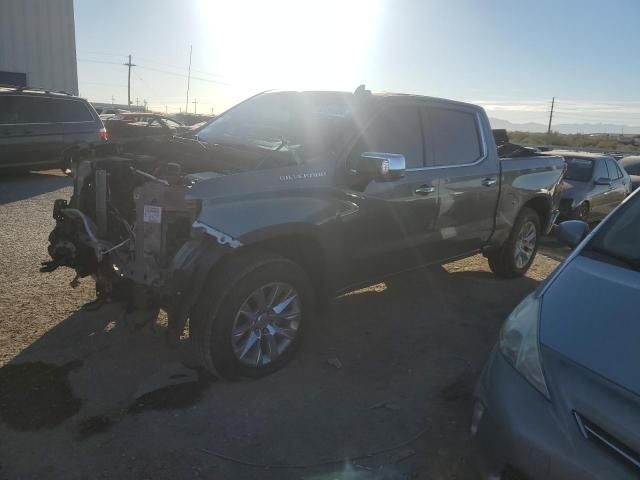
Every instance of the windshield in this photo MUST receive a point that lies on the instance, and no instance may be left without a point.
(619, 238)
(579, 169)
(303, 126)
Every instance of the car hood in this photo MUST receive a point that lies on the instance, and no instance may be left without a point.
(590, 315)
(574, 189)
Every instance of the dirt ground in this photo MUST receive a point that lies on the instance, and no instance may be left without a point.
(380, 389)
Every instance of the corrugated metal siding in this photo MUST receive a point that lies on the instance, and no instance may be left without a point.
(37, 37)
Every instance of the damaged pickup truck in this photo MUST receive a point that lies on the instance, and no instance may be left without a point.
(247, 226)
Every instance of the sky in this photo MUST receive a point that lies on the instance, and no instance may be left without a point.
(510, 56)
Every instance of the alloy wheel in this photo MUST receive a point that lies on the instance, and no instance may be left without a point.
(525, 244)
(266, 324)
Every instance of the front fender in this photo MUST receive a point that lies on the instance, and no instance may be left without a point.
(241, 222)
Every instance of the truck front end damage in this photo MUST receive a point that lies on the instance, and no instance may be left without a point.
(133, 227)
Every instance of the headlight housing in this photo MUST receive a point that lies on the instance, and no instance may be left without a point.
(519, 342)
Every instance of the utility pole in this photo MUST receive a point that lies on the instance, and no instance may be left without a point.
(195, 106)
(146, 105)
(553, 102)
(186, 108)
(137, 103)
(129, 64)
(112, 100)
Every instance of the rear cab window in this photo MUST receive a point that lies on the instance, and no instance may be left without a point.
(453, 135)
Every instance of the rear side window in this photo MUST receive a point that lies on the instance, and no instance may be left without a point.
(453, 136)
(25, 109)
(72, 111)
(600, 170)
(614, 170)
(395, 130)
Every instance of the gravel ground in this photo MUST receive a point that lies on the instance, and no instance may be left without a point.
(82, 396)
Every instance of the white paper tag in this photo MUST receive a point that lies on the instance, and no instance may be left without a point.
(152, 214)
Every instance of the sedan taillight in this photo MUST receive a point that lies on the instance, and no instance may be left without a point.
(104, 134)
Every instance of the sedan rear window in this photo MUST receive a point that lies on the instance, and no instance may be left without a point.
(579, 169)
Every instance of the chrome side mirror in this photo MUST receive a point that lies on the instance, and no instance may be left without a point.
(603, 181)
(381, 166)
(571, 232)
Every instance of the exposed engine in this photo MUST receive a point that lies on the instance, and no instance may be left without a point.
(126, 221)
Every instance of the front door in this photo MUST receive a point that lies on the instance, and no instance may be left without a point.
(391, 224)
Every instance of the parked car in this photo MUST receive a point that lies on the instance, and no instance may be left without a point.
(141, 132)
(559, 397)
(593, 186)
(631, 165)
(290, 197)
(42, 129)
(107, 113)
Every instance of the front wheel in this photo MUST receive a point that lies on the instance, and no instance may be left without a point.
(515, 257)
(251, 316)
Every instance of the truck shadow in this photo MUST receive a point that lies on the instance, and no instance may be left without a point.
(381, 363)
(14, 188)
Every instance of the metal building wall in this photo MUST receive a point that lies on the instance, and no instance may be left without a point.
(37, 37)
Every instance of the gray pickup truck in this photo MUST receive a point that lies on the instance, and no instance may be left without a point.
(250, 224)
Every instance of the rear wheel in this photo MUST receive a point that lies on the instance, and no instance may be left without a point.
(515, 257)
(251, 316)
(67, 165)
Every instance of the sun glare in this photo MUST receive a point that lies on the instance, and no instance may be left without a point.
(289, 44)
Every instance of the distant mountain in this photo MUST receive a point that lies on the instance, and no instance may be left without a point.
(565, 127)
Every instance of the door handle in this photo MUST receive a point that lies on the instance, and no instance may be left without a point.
(424, 190)
(489, 182)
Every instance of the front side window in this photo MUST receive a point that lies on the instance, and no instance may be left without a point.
(453, 136)
(396, 130)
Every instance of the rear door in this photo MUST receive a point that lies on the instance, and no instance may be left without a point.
(619, 188)
(392, 229)
(601, 194)
(467, 173)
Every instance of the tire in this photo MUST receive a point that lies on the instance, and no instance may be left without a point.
(67, 165)
(509, 261)
(216, 316)
(582, 212)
